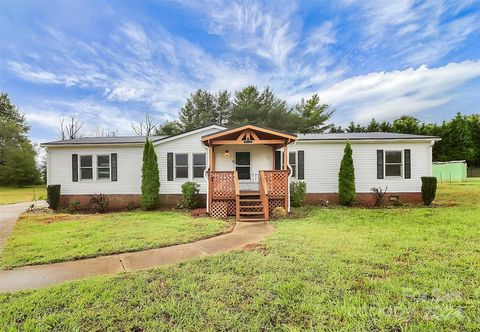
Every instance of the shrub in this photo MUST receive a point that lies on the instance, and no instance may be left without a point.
(298, 191)
(378, 194)
(278, 213)
(397, 203)
(53, 196)
(346, 178)
(150, 177)
(99, 203)
(73, 205)
(429, 189)
(131, 206)
(191, 194)
(323, 203)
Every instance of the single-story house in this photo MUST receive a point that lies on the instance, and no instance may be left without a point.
(243, 171)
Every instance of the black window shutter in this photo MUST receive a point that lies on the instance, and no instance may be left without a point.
(301, 165)
(113, 169)
(408, 164)
(278, 158)
(170, 166)
(379, 164)
(75, 167)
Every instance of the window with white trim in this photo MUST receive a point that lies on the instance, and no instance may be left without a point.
(393, 163)
(181, 166)
(199, 164)
(86, 167)
(103, 167)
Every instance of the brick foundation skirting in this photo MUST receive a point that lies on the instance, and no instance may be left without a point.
(365, 199)
(118, 202)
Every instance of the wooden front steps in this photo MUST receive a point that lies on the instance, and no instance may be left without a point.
(251, 208)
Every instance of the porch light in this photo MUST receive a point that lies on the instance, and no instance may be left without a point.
(227, 153)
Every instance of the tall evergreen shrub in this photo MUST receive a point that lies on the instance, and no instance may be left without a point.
(346, 178)
(150, 177)
(429, 189)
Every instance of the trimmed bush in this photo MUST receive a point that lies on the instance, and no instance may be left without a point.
(278, 213)
(150, 177)
(346, 178)
(429, 189)
(73, 205)
(191, 194)
(53, 196)
(298, 191)
(99, 203)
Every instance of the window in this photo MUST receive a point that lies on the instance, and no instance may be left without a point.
(242, 160)
(103, 167)
(86, 168)
(199, 165)
(393, 163)
(181, 166)
(292, 160)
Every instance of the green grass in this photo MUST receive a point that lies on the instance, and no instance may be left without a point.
(46, 237)
(11, 195)
(336, 269)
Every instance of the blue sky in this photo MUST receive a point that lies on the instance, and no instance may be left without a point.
(108, 62)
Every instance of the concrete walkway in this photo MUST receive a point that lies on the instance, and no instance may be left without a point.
(9, 215)
(38, 276)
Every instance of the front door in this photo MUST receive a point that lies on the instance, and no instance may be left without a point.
(242, 165)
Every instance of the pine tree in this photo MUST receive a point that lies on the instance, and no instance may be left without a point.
(313, 115)
(198, 111)
(346, 178)
(150, 177)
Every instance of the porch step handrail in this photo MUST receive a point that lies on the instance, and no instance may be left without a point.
(237, 195)
(264, 195)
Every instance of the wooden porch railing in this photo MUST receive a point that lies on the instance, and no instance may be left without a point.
(224, 192)
(277, 188)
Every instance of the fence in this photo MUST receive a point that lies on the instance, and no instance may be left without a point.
(473, 172)
(450, 171)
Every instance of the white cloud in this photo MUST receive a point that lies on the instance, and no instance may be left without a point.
(269, 30)
(385, 95)
(417, 31)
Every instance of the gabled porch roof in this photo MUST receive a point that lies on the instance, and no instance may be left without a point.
(249, 134)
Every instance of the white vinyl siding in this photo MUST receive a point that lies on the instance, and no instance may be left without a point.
(322, 163)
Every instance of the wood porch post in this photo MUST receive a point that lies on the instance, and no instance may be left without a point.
(273, 158)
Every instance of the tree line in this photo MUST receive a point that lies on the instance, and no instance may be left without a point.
(249, 106)
(460, 136)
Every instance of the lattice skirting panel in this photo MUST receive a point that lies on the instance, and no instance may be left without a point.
(223, 208)
(275, 202)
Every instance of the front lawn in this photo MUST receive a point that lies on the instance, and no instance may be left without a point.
(11, 195)
(336, 269)
(47, 237)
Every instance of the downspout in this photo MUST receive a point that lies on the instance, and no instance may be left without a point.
(290, 175)
(205, 175)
